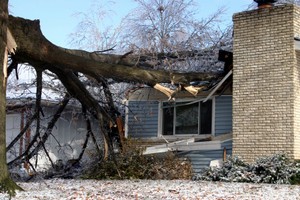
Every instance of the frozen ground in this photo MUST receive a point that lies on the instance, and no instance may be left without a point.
(147, 189)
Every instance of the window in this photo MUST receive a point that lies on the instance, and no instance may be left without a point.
(185, 118)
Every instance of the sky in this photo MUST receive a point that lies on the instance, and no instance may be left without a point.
(58, 17)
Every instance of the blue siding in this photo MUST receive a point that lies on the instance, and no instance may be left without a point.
(143, 119)
(201, 159)
(223, 115)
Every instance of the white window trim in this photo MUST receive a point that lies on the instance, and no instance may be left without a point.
(160, 123)
(160, 113)
(213, 116)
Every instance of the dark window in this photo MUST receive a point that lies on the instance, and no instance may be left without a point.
(184, 118)
(205, 117)
(168, 120)
(187, 119)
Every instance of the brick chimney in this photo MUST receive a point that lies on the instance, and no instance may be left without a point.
(266, 83)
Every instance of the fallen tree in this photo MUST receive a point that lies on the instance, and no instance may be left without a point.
(33, 48)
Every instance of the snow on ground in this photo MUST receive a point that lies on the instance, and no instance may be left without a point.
(68, 189)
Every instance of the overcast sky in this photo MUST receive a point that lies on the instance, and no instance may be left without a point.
(58, 20)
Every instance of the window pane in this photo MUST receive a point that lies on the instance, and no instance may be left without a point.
(168, 119)
(206, 115)
(187, 119)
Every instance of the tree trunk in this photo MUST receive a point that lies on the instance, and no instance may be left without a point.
(6, 184)
(35, 49)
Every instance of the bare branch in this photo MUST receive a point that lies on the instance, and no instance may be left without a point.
(36, 50)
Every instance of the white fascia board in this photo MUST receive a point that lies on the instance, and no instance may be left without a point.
(172, 144)
(183, 146)
(218, 86)
(210, 145)
(154, 151)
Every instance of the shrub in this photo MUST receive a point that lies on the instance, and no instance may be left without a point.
(131, 164)
(272, 169)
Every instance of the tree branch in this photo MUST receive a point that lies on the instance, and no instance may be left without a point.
(44, 138)
(33, 47)
(15, 140)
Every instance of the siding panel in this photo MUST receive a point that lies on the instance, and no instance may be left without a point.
(143, 119)
(201, 159)
(223, 115)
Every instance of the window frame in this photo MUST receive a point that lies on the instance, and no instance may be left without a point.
(189, 101)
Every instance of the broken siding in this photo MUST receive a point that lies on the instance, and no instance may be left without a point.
(201, 159)
(223, 115)
(143, 119)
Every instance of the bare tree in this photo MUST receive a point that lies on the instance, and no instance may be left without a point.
(172, 38)
(158, 25)
(92, 33)
(161, 26)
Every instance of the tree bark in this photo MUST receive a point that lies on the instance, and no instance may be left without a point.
(6, 183)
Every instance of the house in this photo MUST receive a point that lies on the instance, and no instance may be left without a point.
(262, 111)
(266, 82)
(208, 122)
(65, 141)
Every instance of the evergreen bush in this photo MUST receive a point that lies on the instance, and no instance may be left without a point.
(277, 169)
